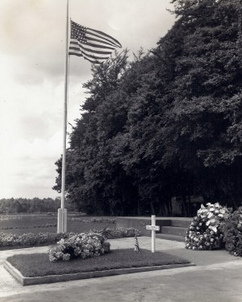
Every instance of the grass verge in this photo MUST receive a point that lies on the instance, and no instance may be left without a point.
(38, 265)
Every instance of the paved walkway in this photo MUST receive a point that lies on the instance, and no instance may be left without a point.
(217, 276)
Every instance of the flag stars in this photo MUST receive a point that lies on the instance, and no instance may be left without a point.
(82, 37)
(79, 32)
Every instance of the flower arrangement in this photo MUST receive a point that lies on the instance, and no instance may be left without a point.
(84, 245)
(233, 233)
(206, 230)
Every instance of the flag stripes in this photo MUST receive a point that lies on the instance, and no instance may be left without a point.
(93, 45)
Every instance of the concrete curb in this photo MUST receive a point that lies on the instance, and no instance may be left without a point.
(85, 275)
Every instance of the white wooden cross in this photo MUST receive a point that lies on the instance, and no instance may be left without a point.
(152, 228)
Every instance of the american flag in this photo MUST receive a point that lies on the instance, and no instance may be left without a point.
(136, 244)
(93, 45)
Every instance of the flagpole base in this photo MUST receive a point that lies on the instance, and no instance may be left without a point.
(62, 221)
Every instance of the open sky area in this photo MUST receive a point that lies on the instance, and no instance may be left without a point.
(32, 61)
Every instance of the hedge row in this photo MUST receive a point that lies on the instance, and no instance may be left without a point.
(31, 239)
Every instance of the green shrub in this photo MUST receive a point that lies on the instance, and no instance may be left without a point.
(31, 239)
(206, 230)
(233, 233)
(120, 232)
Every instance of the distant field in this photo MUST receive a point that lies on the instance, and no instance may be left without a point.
(39, 223)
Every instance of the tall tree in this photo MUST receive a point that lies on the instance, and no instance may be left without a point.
(168, 123)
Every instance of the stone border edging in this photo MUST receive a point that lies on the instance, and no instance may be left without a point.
(85, 275)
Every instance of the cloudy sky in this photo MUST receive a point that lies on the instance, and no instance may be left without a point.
(32, 60)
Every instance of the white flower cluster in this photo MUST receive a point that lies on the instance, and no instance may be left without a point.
(205, 231)
(79, 246)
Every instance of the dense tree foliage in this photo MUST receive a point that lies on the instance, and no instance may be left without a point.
(169, 123)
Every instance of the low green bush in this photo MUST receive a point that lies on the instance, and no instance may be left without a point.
(233, 233)
(120, 232)
(31, 239)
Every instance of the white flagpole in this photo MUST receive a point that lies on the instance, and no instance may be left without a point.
(62, 212)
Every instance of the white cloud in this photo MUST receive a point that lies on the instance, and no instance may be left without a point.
(31, 165)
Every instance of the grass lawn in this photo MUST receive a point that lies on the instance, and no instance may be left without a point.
(31, 223)
(34, 265)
